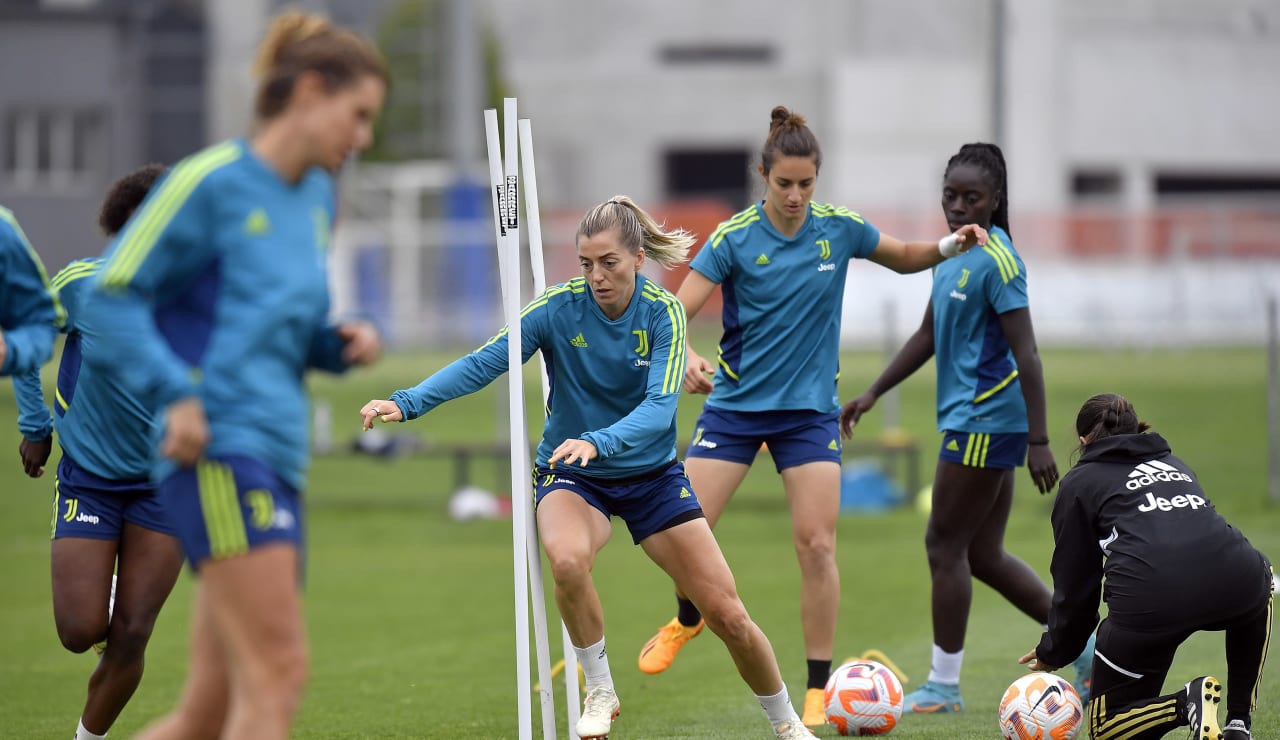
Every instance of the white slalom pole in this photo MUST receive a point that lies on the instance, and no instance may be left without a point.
(538, 266)
(507, 224)
(533, 560)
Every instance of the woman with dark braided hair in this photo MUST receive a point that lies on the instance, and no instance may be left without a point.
(1134, 514)
(991, 412)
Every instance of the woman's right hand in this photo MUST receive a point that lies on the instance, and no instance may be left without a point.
(388, 411)
(186, 431)
(854, 410)
(697, 373)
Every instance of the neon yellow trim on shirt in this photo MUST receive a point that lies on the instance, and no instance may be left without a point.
(727, 370)
(576, 285)
(59, 314)
(1004, 259)
(740, 221)
(143, 231)
(997, 387)
(826, 210)
(673, 380)
(74, 272)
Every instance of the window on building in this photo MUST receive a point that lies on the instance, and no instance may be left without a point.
(1217, 183)
(715, 173)
(1095, 185)
(52, 148)
(717, 53)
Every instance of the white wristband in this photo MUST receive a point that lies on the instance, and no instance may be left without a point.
(949, 245)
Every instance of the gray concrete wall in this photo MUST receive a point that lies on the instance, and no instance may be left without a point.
(893, 87)
(98, 73)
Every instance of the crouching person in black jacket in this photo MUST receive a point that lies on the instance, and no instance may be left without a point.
(1133, 513)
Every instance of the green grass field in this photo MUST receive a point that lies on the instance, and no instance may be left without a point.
(410, 614)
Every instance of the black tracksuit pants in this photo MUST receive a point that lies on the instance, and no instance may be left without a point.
(1130, 666)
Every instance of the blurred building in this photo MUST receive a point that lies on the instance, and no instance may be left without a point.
(1141, 102)
(1140, 130)
(90, 89)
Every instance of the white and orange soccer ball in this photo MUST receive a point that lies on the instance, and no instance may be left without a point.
(1040, 706)
(863, 698)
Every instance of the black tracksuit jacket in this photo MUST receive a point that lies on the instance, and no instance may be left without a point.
(1133, 513)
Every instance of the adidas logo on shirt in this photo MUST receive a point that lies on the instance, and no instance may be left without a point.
(257, 224)
(1152, 471)
(578, 341)
(762, 260)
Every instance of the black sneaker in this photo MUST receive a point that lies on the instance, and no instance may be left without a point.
(1235, 730)
(1201, 708)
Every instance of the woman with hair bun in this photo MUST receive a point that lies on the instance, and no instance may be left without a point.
(1132, 513)
(781, 265)
(211, 306)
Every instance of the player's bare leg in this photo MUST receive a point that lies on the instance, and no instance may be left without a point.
(714, 482)
(813, 493)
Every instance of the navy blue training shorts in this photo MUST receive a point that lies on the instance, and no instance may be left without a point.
(648, 503)
(228, 505)
(977, 450)
(89, 506)
(794, 437)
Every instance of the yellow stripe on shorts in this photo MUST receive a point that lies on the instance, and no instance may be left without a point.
(224, 520)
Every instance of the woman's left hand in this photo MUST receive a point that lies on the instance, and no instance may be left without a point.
(361, 343)
(571, 450)
(387, 411)
(1034, 663)
(970, 236)
(1043, 468)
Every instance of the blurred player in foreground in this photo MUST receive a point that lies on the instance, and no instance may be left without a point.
(29, 307)
(212, 305)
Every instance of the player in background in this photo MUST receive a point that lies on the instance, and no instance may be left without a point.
(105, 506)
(1133, 513)
(615, 350)
(212, 305)
(29, 307)
(781, 265)
(991, 411)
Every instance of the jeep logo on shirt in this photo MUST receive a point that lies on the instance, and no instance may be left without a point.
(1169, 504)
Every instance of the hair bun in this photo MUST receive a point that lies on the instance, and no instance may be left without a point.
(287, 29)
(781, 117)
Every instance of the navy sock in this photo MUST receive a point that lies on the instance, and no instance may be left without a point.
(688, 614)
(819, 672)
